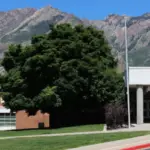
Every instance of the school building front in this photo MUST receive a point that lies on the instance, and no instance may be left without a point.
(139, 82)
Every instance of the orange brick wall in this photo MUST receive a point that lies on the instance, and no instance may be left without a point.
(24, 121)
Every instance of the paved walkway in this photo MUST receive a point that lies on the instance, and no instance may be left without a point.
(134, 127)
(143, 127)
(52, 135)
(65, 134)
(117, 145)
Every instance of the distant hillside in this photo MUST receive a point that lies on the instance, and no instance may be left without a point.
(18, 26)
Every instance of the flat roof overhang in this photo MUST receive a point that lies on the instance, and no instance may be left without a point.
(139, 76)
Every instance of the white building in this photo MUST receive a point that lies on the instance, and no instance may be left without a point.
(7, 119)
(139, 82)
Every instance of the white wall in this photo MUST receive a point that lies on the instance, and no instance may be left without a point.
(139, 75)
(7, 128)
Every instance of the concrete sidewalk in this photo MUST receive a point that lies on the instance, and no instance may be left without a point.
(117, 145)
(134, 127)
(143, 127)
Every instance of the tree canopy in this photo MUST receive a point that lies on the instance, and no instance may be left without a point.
(71, 68)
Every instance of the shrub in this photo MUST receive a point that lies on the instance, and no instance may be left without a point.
(115, 113)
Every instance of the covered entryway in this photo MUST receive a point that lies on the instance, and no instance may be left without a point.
(147, 109)
(139, 81)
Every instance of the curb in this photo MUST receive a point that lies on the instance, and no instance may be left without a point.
(137, 147)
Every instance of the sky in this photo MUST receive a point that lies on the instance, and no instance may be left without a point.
(88, 9)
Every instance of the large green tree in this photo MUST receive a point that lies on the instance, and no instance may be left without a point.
(71, 68)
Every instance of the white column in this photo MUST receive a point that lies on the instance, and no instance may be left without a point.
(139, 103)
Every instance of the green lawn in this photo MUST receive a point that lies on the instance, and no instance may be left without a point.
(65, 142)
(83, 128)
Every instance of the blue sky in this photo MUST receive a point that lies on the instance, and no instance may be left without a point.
(90, 9)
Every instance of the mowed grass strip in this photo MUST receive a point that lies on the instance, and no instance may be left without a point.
(64, 142)
(83, 128)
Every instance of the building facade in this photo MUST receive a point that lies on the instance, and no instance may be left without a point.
(139, 82)
(21, 120)
(34, 121)
(7, 118)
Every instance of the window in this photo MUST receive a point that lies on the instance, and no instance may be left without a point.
(7, 120)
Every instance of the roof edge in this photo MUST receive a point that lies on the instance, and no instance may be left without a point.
(140, 67)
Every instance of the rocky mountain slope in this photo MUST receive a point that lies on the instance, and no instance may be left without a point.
(138, 36)
(18, 26)
(10, 20)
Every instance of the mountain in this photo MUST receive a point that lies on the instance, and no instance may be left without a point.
(138, 36)
(18, 26)
(10, 20)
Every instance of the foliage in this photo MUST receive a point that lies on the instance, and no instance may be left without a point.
(115, 114)
(70, 68)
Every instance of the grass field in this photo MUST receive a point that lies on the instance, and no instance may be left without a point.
(64, 142)
(83, 128)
